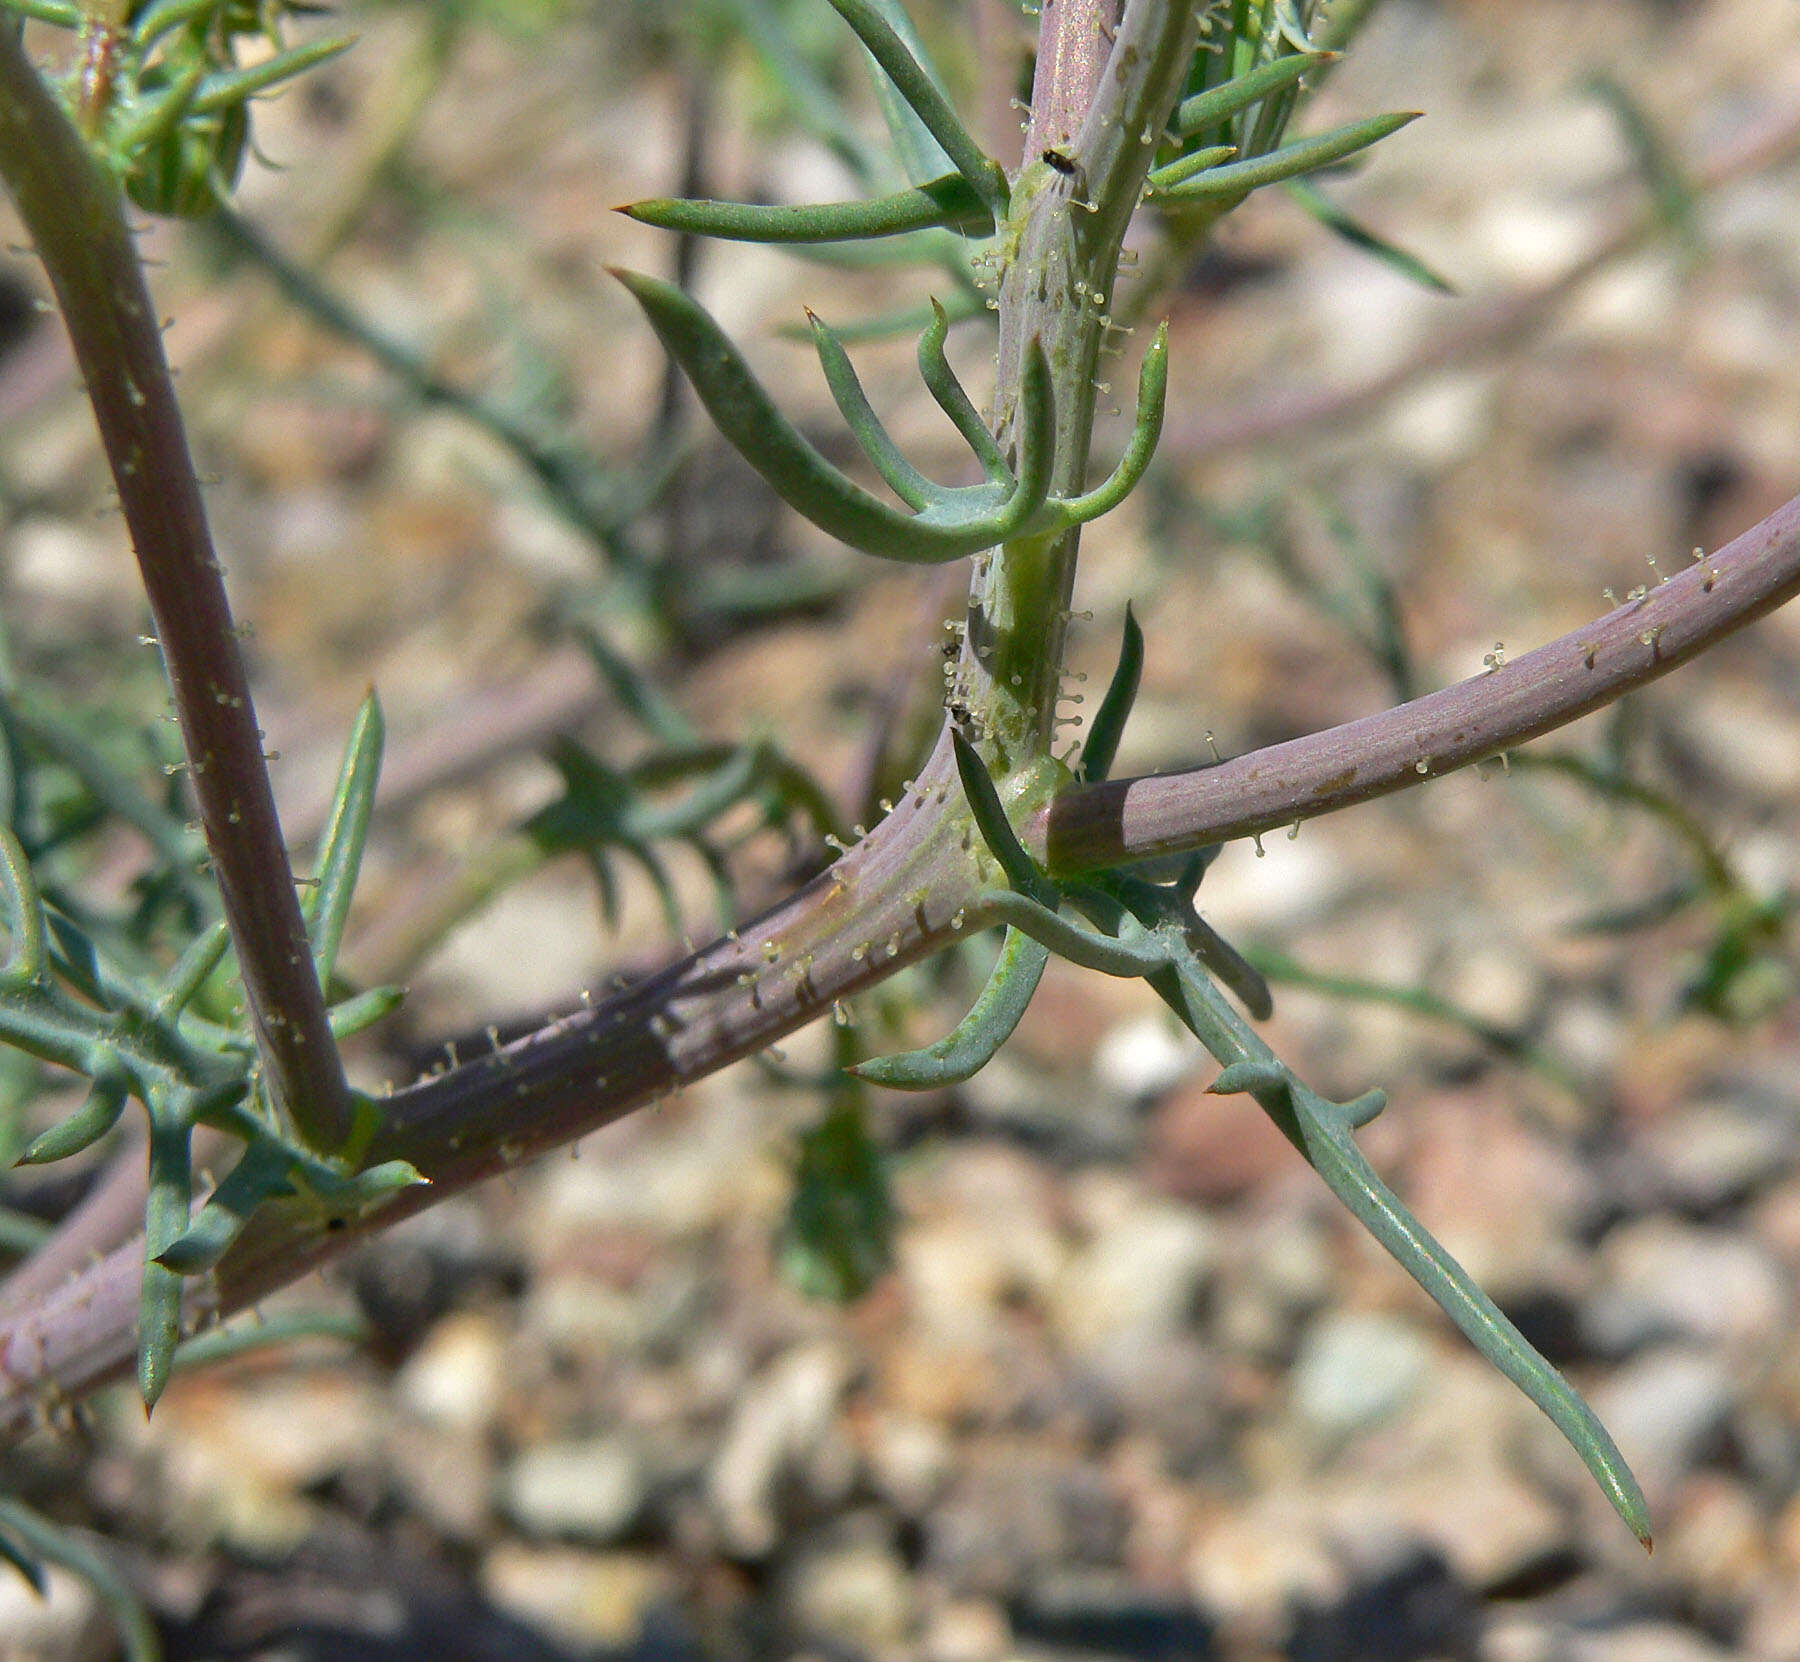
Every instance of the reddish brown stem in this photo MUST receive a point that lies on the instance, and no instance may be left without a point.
(1138, 819)
(75, 215)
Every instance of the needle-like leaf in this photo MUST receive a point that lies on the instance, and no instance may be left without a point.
(327, 908)
(1234, 179)
(949, 204)
(1101, 742)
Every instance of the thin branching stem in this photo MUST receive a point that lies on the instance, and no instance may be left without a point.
(75, 215)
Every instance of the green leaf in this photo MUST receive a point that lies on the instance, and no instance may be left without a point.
(346, 835)
(23, 914)
(1235, 179)
(947, 391)
(227, 89)
(1153, 394)
(1086, 948)
(902, 478)
(964, 1052)
(1101, 743)
(948, 204)
(923, 97)
(56, 1545)
(262, 1173)
(1344, 224)
(359, 1013)
(166, 1212)
(97, 1115)
(1207, 109)
(961, 522)
(996, 830)
(838, 1237)
(1322, 1132)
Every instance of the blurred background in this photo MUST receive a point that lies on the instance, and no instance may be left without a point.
(1122, 1381)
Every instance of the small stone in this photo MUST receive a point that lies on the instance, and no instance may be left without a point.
(1716, 1152)
(858, 1595)
(1018, 1510)
(453, 1380)
(1252, 1570)
(1664, 1280)
(1644, 1642)
(1772, 1632)
(581, 1598)
(778, 1434)
(1143, 1056)
(909, 1460)
(1138, 1278)
(1355, 1370)
(68, 1625)
(589, 1490)
(968, 1630)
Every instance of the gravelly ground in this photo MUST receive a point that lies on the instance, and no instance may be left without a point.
(1134, 1389)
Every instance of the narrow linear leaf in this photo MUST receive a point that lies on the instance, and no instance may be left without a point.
(261, 1174)
(166, 1213)
(964, 1052)
(919, 153)
(227, 87)
(1322, 1132)
(189, 973)
(246, 1337)
(23, 914)
(25, 1564)
(1101, 743)
(996, 829)
(903, 479)
(941, 382)
(922, 95)
(1146, 431)
(47, 1541)
(97, 1115)
(1195, 161)
(61, 14)
(1206, 109)
(1344, 224)
(1086, 948)
(346, 836)
(1237, 178)
(977, 518)
(943, 204)
(363, 1010)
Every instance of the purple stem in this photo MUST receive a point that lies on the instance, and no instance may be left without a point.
(75, 214)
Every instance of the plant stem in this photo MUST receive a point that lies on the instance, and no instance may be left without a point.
(1105, 84)
(74, 213)
(1139, 819)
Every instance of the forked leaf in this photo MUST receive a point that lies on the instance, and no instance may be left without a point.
(1235, 179)
(1101, 742)
(261, 1174)
(964, 1052)
(327, 907)
(1322, 1132)
(962, 522)
(942, 204)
